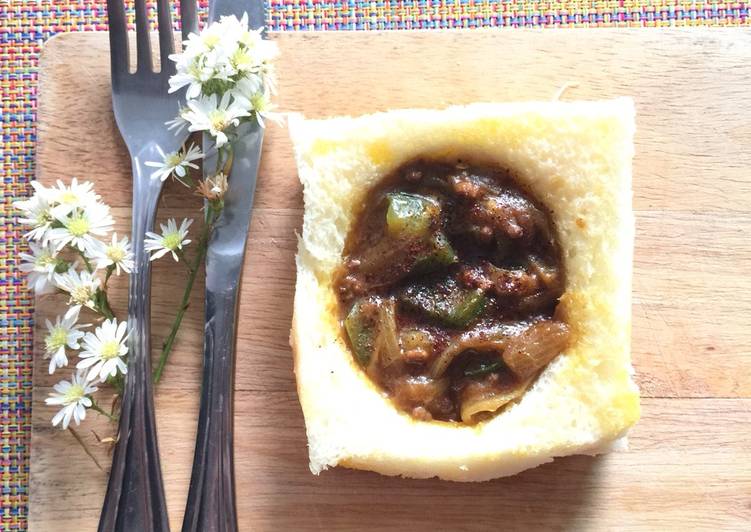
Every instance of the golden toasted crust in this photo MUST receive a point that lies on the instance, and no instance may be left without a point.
(575, 158)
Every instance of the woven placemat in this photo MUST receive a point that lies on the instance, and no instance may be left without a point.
(26, 24)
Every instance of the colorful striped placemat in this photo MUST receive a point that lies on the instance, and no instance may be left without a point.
(26, 24)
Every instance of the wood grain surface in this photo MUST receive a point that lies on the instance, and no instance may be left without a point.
(690, 458)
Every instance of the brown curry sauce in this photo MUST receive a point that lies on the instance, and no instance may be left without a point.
(448, 287)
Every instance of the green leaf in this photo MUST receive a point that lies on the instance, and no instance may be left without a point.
(482, 368)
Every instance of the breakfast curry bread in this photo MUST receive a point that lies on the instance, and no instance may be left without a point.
(462, 306)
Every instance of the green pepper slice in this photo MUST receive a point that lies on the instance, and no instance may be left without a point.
(445, 302)
(439, 254)
(410, 215)
(361, 332)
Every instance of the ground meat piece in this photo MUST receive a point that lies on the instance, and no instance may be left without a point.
(485, 232)
(464, 186)
(351, 287)
(507, 214)
(443, 407)
(369, 308)
(421, 413)
(417, 355)
(513, 283)
(499, 281)
(416, 391)
(413, 175)
(475, 277)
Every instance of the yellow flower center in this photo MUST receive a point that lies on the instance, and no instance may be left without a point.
(194, 70)
(242, 59)
(172, 241)
(74, 394)
(56, 339)
(80, 295)
(110, 349)
(43, 217)
(173, 159)
(45, 260)
(218, 120)
(115, 253)
(68, 197)
(78, 226)
(211, 40)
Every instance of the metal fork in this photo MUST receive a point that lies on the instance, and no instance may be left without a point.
(141, 103)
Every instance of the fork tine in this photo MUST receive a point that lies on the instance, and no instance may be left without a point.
(166, 35)
(188, 18)
(118, 38)
(143, 43)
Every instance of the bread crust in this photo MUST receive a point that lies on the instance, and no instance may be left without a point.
(575, 157)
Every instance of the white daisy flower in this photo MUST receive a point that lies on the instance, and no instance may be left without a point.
(261, 105)
(73, 196)
(81, 226)
(63, 333)
(191, 72)
(243, 61)
(104, 349)
(205, 57)
(234, 29)
(176, 162)
(172, 239)
(247, 87)
(36, 212)
(178, 123)
(74, 396)
(116, 253)
(40, 266)
(81, 286)
(206, 115)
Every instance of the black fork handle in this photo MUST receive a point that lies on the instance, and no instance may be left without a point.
(135, 494)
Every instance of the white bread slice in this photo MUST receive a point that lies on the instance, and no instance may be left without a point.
(576, 159)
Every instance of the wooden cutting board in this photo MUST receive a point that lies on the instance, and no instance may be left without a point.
(690, 458)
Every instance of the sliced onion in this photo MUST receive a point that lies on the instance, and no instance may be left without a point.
(533, 349)
(388, 342)
(419, 391)
(494, 339)
(490, 401)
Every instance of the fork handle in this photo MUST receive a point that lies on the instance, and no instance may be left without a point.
(135, 494)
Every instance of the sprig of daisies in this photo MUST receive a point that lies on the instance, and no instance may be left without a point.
(226, 72)
(66, 223)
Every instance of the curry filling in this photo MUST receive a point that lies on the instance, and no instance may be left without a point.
(448, 288)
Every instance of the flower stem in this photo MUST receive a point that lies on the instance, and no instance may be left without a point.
(85, 448)
(193, 269)
(228, 162)
(118, 383)
(110, 269)
(103, 304)
(89, 268)
(99, 409)
(181, 255)
(223, 162)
